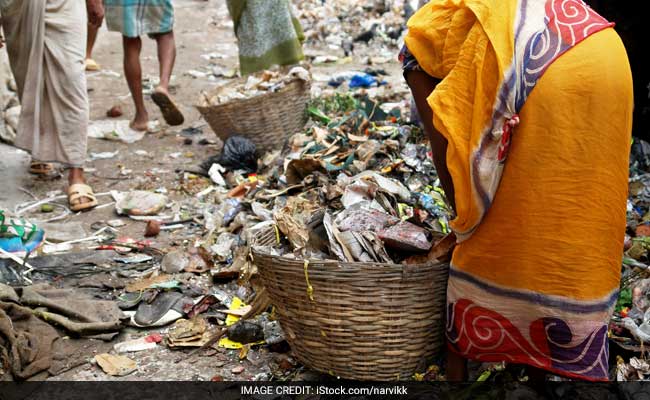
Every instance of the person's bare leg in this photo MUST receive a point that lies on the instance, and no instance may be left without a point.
(422, 85)
(166, 58)
(91, 39)
(133, 72)
(76, 175)
(456, 367)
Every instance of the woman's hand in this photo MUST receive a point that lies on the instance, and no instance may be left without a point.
(95, 12)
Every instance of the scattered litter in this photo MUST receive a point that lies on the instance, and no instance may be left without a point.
(196, 74)
(175, 261)
(134, 259)
(139, 203)
(236, 305)
(117, 130)
(58, 232)
(238, 153)
(104, 156)
(56, 248)
(364, 81)
(215, 172)
(188, 333)
(116, 223)
(144, 284)
(132, 346)
(115, 365)
(152, 229)
(114, 112)
(245, 332)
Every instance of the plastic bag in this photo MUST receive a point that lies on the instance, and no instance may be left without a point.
(238, 153)
(362, 80)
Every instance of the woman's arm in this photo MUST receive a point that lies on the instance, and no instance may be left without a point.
(422, 84)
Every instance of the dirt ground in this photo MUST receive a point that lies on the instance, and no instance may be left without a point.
(202, 27)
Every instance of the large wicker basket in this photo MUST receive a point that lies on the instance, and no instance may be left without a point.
(362, 321)
(267, 120)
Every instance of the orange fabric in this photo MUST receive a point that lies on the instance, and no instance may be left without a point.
(465, 43)
(535, 275)
(558, 220)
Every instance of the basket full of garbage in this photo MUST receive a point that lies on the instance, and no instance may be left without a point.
(359, 293)
(265, 107)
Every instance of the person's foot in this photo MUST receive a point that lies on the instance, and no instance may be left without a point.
(161, 89)
(140, 123)
(168, 107)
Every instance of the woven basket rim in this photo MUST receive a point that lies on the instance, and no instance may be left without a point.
(260, 97)
(335, 263)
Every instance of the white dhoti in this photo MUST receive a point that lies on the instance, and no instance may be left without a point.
(46, 42)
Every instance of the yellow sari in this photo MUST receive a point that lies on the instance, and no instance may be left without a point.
(536, 104)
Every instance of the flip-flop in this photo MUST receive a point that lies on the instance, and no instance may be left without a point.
(80, 191)
(91, 65)
(169, 109)
(129, 300)
(150, 314)
(166, 319)
(42, 168)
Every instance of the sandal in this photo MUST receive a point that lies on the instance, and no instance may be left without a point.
(42, 168)
(91, 65)
(80, 191)
(169, 109)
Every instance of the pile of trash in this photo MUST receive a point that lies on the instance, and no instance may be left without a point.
(267, 81)
(345, 26)
(9, 105)
(630, 326)
(337, 192)
(353, 205)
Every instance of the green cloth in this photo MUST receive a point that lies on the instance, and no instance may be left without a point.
(268, 34)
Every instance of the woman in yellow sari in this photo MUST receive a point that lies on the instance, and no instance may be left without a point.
(528, 105)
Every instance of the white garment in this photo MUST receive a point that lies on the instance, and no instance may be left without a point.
(46, 42)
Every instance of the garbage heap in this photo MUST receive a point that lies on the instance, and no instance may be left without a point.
(357, 185)
(630, 326)
(342, 28)
(360, 187)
